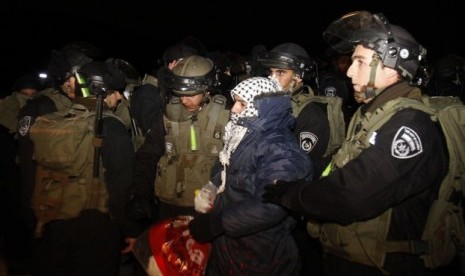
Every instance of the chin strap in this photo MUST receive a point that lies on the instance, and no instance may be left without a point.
(370, 89)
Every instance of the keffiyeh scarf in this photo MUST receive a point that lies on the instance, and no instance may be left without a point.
(247, 90)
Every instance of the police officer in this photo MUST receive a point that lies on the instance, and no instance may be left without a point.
(61, 70)
(56, 97)
(91, 242)
(148, 100)
(181, 147)
(290, 65)
(382, 181)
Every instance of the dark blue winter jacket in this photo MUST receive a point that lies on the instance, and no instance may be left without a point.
(257, 236)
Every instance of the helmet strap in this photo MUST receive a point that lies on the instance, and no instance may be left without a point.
(371, 90)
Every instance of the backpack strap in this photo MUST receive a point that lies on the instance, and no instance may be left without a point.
(149, 79)
(218, 103)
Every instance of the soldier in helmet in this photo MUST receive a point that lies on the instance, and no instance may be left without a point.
(61, 69)
(86, 238)
(380, 185)
(290, 64)
(148, 101)
(59, 96)
(182, 145)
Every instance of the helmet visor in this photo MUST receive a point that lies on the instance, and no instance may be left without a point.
(184, 86)
(282, 61)
(359, 27)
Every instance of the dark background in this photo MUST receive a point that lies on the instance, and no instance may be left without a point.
(139, 31)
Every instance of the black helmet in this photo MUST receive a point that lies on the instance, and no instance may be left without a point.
(191, 76)
(396, 47)
(101, 77)
(450, 68)
(133, 78)
(64, 62)
(27, 81)
(178, 51)
(288, 56)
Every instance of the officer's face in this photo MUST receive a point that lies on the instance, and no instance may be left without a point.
(360, 71)
(192, 103)
(284, 77)
(29, 92)
(69, 87)
(112, 99)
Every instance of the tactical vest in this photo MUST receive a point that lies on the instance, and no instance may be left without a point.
(192, 146)
(359, 239)
(64, 151)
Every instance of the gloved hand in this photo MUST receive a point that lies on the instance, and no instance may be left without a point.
(275, 192)
(140, 207)
(206, 227)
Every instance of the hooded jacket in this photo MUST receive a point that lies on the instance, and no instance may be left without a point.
(257, 236)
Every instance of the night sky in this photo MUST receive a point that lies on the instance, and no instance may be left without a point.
(139, 31)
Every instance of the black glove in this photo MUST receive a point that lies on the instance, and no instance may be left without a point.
(140, 207)
(274, 193)
(205, 227)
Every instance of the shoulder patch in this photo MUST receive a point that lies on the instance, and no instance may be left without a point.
(308, 141)
(330, 91)
(23, 125)
(406, 144)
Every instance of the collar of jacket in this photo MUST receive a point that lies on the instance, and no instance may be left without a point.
(397, 90)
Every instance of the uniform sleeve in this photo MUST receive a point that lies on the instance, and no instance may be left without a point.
(406, 157)
(312, 133)
(146, 106)
(118, 160)
(147, 158)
